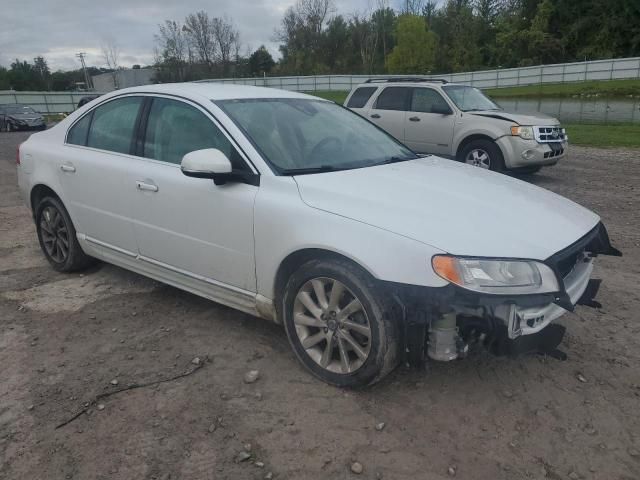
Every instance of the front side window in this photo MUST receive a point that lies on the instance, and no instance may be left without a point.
(393, 98)
(469, 99)
(297, 135)
(175, 128)
(360, 97)
(113, 125)
(427, 100)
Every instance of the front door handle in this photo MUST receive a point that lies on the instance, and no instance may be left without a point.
(68, 167)
(414, 119)
(147, 187)
(375, 115)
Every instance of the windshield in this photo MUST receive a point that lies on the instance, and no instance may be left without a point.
(469, 98)
(18, 109)
(299, 136)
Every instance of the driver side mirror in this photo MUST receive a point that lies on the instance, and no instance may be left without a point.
(207, 163)
(441, 109)
(214, 164)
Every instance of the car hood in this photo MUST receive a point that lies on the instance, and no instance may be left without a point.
(533, 118)
(454, 207)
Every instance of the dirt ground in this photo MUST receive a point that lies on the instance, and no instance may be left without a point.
(65, 338)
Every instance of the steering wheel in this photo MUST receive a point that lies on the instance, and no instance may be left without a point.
(323, 144)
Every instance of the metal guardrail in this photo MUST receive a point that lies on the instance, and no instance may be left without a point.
(45, 102)
(613, 69)
(620, 68)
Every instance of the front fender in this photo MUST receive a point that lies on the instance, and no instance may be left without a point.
(284, 225)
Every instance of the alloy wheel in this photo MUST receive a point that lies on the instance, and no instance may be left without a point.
(55, 234)
(478, 158)
(332, 325)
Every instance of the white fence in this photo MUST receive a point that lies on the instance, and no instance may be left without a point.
(508, 77)
(45, 102)
(621, 68)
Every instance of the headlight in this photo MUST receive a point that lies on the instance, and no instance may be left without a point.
(522, 132)
(506, 277)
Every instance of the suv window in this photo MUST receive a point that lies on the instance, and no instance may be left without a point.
(175, 129)
(360, 97)
(424, 99)
(393, 98)
(78, 133)
(113, 125)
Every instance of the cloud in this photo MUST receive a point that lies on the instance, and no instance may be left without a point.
(58, 29)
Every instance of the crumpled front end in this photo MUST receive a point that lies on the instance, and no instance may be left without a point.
(442, 322)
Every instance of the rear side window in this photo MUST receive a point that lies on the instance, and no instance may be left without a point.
(393, 98)
(360, 97)
(175, 128)
(78, 133)
(424, 99)
(113, 125)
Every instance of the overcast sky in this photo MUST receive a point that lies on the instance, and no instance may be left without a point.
(58, 29)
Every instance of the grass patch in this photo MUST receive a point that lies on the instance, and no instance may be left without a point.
(54, 117)
(604, 88)
(337, 96)
(601, 135)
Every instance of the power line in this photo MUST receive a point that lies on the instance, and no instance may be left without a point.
(87, 81)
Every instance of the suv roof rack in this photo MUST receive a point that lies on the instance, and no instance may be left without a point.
(405, 79)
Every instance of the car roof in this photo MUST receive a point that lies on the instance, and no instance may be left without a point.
(215, 91)
(410, 84)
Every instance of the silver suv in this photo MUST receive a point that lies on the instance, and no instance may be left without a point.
(460, 122)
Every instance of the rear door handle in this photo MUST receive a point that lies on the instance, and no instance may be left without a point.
(414, 119)
(68, 167)
(147, 187)
(375, 115)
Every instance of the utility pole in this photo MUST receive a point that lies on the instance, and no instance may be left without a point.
(87, 81)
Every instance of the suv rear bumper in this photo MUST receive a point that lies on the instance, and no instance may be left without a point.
(518, 152)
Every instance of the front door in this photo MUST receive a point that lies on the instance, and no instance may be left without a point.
(427, 129)
(190, 225)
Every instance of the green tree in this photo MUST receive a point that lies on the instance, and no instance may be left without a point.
(415, 48)
(260, 62)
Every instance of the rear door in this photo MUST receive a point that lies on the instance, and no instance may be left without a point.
(427, 129)
(389, 110)
(93, 167)
(359, 99)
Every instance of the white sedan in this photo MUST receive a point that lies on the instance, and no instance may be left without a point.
(294, 209)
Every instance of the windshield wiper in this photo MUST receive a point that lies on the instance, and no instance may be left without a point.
(396, 159)
(310, 170)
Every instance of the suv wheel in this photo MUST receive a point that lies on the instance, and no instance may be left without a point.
(484, 154)
(340, 325)
(57, 237)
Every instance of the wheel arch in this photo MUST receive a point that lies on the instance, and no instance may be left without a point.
(297, 258)
(476, 136)
(38, 192)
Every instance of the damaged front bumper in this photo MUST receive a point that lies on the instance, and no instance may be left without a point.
(508, 324)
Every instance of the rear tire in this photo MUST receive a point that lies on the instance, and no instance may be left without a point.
(57, 237)
(482, 153)
(340, 324)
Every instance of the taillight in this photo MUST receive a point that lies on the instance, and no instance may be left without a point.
(18, 155)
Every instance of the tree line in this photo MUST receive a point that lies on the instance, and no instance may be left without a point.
(421, 37)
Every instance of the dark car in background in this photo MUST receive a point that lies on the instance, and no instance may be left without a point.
(20, 117)
(84, 100)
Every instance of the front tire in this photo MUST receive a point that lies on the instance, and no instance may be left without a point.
(484, 154)
(57, 237)
(340, 324)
